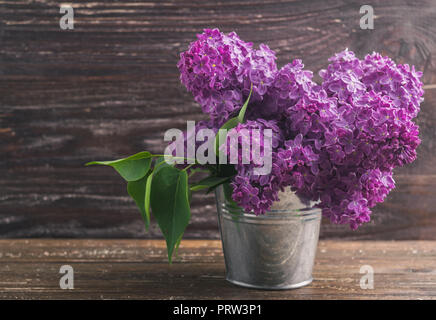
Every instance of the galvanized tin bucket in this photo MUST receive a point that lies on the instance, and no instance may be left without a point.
(272, 251)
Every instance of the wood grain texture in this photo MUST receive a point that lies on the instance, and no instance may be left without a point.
(110, 88)
(137, 269)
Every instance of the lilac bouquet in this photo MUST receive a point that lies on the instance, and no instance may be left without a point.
(336, 143)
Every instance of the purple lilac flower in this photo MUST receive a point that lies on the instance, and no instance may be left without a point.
(337, 142)
(374, 129)
(219, 69)
(290, 83)
(256, 193)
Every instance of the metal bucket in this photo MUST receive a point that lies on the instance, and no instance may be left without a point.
(273, 251)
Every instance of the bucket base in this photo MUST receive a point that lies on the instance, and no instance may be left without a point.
(288, 287)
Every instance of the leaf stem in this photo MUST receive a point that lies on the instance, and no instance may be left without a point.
(174, 157)
(185, 169)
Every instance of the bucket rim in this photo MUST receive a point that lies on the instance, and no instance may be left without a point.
(237, 214)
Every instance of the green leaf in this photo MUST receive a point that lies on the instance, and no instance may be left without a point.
(241, 114)
(232, 207)
(131, 168)
(232, 123)
(209, 182)
(176, 250)
(225, 170)
(137, 190)
(192, 171)
(160, 163)
(147, 195)
(228, 191)
(170, 204)
(137, 156)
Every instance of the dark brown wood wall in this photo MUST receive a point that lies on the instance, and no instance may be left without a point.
(110, 88)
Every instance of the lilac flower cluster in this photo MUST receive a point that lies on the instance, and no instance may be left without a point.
(219, 69)
(252, 191)
(373, 133)
(337, 142)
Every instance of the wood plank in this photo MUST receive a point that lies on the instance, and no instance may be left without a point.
(110, 88)
(137, 269)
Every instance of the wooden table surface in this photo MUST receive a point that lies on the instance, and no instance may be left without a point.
(137, 269)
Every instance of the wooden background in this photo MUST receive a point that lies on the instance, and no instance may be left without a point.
(110, 88)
